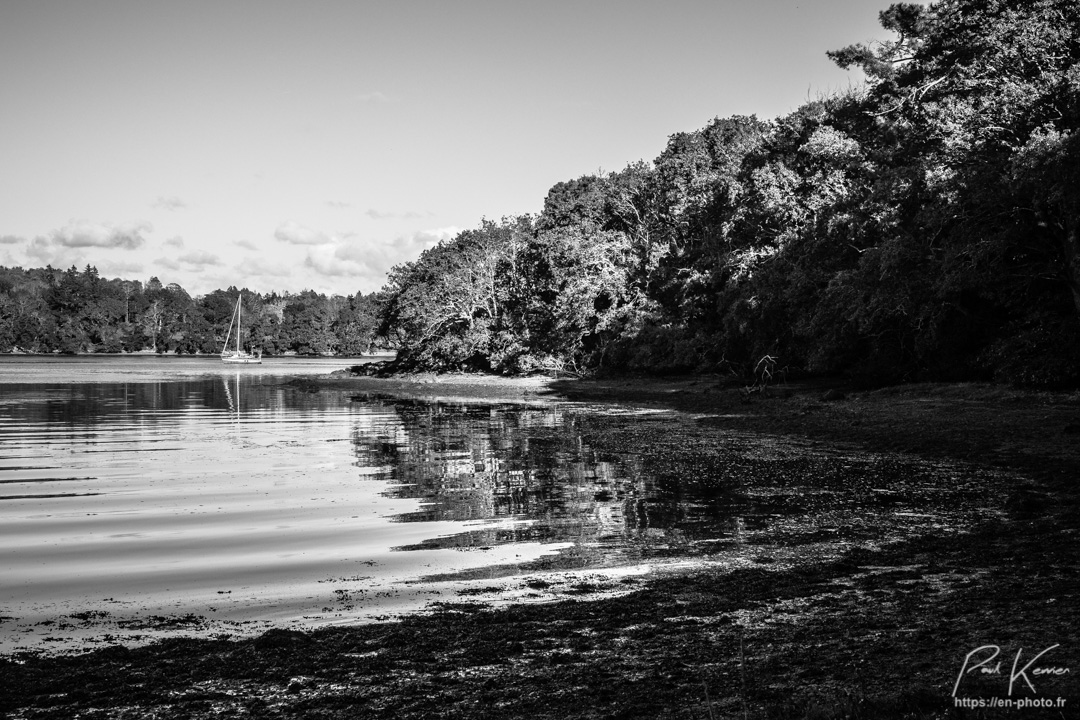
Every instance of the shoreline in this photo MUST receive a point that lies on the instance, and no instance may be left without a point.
(994, 424)
(877, 631)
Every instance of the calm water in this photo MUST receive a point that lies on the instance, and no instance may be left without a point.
(139, 496)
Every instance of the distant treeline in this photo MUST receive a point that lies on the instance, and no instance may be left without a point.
(75, 311)
(922, 226)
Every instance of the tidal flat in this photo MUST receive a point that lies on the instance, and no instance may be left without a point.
(798, 558)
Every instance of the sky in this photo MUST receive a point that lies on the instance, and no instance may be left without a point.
(314, 145)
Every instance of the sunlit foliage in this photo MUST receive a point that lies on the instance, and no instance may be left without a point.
(924, 225)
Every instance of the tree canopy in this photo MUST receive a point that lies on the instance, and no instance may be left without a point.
(44, 310)
(924, 225)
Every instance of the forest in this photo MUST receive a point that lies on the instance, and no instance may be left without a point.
(923, 225)
(76, 311)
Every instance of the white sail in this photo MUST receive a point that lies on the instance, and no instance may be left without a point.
(238, 355)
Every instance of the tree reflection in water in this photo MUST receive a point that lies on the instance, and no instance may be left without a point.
(529, 464)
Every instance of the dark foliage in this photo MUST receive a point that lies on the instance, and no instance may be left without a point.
(43, 310)
(923, 226)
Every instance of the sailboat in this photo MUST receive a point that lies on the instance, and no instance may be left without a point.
(237, 355)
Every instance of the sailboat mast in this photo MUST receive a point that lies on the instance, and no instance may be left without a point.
(239, 324)
(228, 334)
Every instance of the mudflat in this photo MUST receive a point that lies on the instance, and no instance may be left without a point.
(931, 625)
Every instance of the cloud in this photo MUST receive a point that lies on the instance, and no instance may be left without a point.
(69, 245)
(296, 234)
(11, 239)
(371, 260)
(338, 204)
(407, 215)
(45, 251)
(175, 241)
(259, 267)
(338, 261)
(196, 260)
(199, 259)
(169, 203)
(247, 244)
(427, 239)
(361, 254)
(119, 267)
(78, 234)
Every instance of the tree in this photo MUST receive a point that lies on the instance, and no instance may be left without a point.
(447, 310)
(572, 296)
(356, 324)
(976, 118)
(308, 324)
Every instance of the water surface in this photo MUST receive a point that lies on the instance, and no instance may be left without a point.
(139, 496)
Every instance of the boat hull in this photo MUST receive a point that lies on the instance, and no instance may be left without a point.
(244, 359)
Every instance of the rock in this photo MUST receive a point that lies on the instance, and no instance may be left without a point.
(298, 683)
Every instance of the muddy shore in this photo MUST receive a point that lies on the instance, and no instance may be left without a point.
(879, 631)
